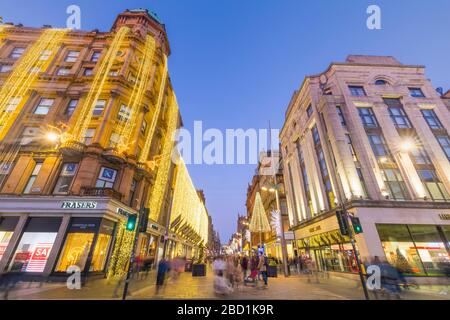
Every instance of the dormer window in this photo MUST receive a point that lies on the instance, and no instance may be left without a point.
(380, 82)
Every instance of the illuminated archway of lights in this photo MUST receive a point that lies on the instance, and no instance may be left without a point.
(151, 130)
(163, 171)
(122, 251)
(85, 116)
(26, 72)
(259, 221)
(126, 126)
(187, 206)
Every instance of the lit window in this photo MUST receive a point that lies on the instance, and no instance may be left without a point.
(395, 184)
(357, 91)
(368, 117)
(309, 111)
(12, 104)
(399, 118)
(45, 55)
(44, 106)
(435, 188)
(379, 146)
(99, 107)
(95, 56)
(114, 73)
(71, 107)
(144, 127)
(114, 139)
(416, 93)
(5, 68)
(32, 178)
(89, 136)
(29, 134)
(106, 178)
(64, 71)
(17, 53)
(72, 56)
(124, 113)
(432, 119)
(341, 116)
(444, 142)
(65, 178)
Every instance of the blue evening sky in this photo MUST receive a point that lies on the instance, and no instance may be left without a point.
(235, 63)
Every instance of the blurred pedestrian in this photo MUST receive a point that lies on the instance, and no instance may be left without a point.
(163, 268)
(262, 267)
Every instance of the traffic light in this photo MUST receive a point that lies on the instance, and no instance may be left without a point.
(356, 225)
(131, 223)
(143, 221)
(343, 223)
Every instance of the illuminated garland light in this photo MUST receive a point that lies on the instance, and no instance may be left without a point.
(17, 85)
(162, 175)
(127, 126)
(187, 206)
(151, 130)
(259, 221)
(122, 252)
(86, 113)
(3, 33)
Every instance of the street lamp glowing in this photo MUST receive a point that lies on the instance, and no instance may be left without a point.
(264, 189)
(52, 136)
(407, 146)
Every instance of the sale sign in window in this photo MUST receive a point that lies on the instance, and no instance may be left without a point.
(33, 252)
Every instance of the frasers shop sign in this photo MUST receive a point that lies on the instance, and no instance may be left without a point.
(83, 205)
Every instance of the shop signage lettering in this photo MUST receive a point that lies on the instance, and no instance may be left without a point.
(123, 212)
(79, 205)
(444, 216)
(314, 229)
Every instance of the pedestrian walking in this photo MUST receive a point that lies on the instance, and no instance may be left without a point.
(244, 266)
(262, 267)
(163, 268)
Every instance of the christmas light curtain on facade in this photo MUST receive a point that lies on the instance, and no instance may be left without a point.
(259, 221)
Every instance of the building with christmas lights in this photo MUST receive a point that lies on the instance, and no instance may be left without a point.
(86, 126)
(263, 183)
(369, 135)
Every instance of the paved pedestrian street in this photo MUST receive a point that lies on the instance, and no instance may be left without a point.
(188, 287)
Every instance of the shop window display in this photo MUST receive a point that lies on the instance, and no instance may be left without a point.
(414, 249)
(100, 253)
(35, 245)
(76, 251)
(431, 248)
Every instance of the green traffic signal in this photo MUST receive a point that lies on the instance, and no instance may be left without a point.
(131, 223)
(356, 225)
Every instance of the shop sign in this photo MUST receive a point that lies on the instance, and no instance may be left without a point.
(444, 216)
(79, 205)
(314, 229)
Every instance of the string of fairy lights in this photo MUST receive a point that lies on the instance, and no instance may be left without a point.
(16, 88)
(163, 171)
(122, 251)
(151, 130)
(126, 126)
(96, 89)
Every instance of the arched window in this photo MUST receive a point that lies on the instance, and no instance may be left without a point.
(380, 82)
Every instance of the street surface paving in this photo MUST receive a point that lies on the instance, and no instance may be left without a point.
(188, 287)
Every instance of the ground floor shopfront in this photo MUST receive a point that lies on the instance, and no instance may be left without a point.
(43, 236)
(415, 240)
